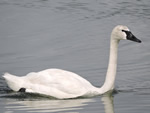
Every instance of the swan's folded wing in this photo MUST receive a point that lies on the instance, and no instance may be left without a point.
(57, 83)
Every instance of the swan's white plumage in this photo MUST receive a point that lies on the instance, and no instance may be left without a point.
(54, 82)
(64, 84)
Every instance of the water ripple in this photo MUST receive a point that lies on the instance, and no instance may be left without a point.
(87, 9)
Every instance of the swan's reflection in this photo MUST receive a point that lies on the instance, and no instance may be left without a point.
(107, 100)
(60, 105)
(48, 105)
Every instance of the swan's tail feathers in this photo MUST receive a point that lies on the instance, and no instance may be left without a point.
(14, 82)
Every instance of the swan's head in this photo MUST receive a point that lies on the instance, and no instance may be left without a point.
(121, 32)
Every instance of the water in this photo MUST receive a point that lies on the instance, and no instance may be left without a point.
(74, 35)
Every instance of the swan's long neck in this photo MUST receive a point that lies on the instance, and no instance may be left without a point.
(112, 67)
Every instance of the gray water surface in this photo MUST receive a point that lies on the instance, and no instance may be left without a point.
(74, 35)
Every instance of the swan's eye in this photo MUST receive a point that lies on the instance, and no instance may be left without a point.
(124, 31)
(127, 32)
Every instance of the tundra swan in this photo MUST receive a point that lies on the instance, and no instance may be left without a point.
(64, 84)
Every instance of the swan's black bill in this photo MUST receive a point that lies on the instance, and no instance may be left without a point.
(130, 36)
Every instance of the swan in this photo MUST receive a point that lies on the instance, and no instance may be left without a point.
(63, 84)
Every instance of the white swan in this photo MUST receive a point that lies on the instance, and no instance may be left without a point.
(63, 84)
